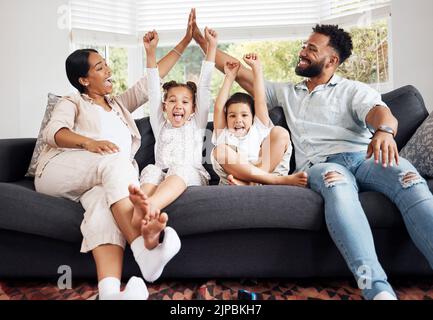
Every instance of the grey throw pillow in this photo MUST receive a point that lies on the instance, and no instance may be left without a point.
(419, 149)
(52, 101)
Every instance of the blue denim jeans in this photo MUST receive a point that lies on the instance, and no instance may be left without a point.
(346, 220)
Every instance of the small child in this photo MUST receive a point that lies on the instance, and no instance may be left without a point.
(179, 142)
(249, 149)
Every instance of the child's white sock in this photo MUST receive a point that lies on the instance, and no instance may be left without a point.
(109, 289)
(152, 262)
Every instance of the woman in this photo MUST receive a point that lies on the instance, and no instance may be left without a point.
(92, 140)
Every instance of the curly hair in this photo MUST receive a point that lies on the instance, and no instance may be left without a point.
(339, 39)
(191, 86)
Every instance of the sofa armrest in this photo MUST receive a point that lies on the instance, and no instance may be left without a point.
(15, 157)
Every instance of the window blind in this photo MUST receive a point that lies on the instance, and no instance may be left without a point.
(125, 21)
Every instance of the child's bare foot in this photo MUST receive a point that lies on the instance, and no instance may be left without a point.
(141, 205)
(299, 179)
(152, 227)
(235, 182)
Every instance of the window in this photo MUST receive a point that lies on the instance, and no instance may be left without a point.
(274, 29)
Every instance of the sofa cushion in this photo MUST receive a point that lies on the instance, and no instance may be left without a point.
(40, 145)
(407, 105)
(419, 149)
(199, 210)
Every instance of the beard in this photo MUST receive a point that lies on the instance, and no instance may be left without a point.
(313, 70)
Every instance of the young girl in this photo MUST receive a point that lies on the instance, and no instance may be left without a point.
(249, 149)
(179, 136)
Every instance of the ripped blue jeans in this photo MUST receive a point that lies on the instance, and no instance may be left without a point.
(346, 220)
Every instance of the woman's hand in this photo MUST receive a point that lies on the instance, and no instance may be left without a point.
(101, 147)
(253, 61)
(231, 69)
(150, 41)
(190, 26)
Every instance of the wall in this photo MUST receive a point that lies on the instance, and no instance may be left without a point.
(412, 26)
(33, 53)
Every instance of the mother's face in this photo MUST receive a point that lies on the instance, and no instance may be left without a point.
(98, 80)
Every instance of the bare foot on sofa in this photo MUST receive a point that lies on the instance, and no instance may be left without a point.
(151, 229)
(299, 179)
(141, 205)
(236, 182)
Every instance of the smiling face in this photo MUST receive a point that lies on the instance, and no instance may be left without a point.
(179, 105)
(239, 119)
(315, 56)
(98, 80)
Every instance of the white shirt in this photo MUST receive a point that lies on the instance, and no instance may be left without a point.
(250, 144)
(328, 121)
(113, 129)
(183, 145)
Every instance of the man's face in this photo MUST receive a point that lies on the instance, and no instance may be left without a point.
(315, 55)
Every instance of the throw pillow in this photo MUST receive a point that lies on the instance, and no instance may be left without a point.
(52, 101)
(419, 149)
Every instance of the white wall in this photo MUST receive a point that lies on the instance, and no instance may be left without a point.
(412, 28)
(33, 53)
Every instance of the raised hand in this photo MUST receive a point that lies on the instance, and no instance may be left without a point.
(252, 59)
(190, 26)
(211, 36)
(150, 40)
(231, 69)
(196, 33)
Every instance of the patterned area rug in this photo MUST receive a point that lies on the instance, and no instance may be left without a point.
(420, 289)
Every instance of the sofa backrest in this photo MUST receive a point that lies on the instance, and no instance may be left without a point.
(406, 104)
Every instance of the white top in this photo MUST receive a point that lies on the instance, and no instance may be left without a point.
(250, 144)
(327, 121)
(183, 145)
(113, 129)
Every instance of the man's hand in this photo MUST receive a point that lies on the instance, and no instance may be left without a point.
(150, 41)
(196, 33)
(231, 69)
(101, 147)
(253, 61)
(383, 143)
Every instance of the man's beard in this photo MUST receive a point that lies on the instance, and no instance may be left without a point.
(313, 70)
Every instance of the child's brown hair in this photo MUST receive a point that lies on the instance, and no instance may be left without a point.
(191, 86)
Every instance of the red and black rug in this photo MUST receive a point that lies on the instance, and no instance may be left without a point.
(220, 290)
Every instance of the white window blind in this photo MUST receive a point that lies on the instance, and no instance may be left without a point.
(125, 21)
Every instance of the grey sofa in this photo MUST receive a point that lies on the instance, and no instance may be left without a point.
(226, 232)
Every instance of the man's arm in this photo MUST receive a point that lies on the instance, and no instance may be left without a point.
(245, 76)
(382, 142)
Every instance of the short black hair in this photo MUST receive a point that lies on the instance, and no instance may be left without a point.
(240, 97)
(339, 39)
(77, 66)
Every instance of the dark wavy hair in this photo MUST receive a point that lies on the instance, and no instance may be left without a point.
(77, 66)
(240, 97)
(191, 86)
(339, 39)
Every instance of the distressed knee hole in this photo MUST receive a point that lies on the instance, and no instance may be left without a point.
(333, 178)
(409, 179)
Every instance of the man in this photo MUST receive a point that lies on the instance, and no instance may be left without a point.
(331, 121)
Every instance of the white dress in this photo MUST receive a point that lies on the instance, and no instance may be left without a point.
(178, 151)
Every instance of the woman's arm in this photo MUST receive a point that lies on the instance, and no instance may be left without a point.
(260, 106)
(219, 118)
(170, 59)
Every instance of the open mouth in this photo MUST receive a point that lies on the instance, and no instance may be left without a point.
(304, 62)
(108, 82)
(239, 129)
(178, 116)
